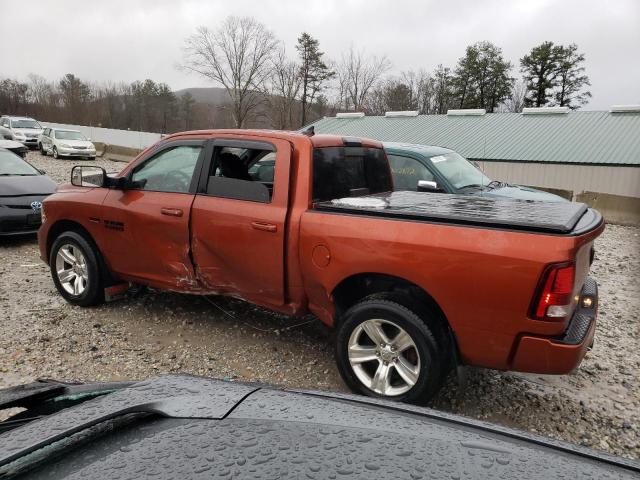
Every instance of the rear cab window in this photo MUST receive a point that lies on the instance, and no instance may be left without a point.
(349, 171)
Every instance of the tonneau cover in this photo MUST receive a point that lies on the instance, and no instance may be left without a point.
(552, 217)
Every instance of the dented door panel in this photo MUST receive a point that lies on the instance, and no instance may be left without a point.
(144, 243)
(238, 245)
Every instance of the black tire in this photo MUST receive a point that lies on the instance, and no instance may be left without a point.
(55, 153)
(42, 152)
(433, 360)
(93, 293)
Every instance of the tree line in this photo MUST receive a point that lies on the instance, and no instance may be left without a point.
(267, 86)
(140, 105)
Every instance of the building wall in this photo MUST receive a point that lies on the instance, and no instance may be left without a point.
(615, 180)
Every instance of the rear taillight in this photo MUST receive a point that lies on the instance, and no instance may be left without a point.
(554, 299)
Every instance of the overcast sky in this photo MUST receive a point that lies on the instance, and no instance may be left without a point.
(126, 40)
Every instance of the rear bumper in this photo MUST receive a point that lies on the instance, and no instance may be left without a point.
(561, 355)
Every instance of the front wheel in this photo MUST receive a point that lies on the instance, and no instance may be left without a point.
(76, 270)
(385, 350)
(55, 153)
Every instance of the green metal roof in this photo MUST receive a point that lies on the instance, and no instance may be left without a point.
(596, 138)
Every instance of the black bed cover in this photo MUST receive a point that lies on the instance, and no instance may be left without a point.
(530, 215)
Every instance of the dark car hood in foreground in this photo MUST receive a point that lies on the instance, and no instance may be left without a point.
(27, 185)
(204, 428)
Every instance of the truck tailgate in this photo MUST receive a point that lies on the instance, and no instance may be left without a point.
(529, 215)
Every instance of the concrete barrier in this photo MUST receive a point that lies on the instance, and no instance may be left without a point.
(117, 153)
(566, 194)
(614, 208)
(112, 136)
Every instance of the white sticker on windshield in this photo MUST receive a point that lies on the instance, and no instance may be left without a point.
(438, 159)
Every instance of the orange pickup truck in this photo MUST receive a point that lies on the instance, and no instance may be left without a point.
(414, 283)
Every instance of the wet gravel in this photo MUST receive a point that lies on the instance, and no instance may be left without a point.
(156, 332)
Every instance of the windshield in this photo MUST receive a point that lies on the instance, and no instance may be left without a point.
(11, 164)
(25, 123)
(69, 135)
(459, 171)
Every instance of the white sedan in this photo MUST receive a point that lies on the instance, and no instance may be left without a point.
(65, 143)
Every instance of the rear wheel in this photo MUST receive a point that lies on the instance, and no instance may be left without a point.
(76, 270)
(384, 349)
(42, 150)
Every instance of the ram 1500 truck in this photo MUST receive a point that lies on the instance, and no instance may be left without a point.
(414, 283)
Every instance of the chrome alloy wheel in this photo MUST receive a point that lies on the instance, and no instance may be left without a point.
(384, 357)
(71, 267)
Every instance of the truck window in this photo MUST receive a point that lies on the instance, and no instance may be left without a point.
(242, 174)
(170, 170)
(340, 172)
(407, 171)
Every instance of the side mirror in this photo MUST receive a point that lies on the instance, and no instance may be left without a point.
(88, 176)
(428, 186)
(41, 171)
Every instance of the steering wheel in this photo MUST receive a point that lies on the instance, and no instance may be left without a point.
(177, 181)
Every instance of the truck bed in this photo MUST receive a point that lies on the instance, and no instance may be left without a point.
(528, 215)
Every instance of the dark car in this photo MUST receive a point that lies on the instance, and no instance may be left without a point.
(184, 427)
(22, 190)
(436, 169)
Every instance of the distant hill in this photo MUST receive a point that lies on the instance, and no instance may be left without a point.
(208, 95)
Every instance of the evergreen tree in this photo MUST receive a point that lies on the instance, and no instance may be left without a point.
(314, 72)
(570, 78)
(540, 69)
(482, 78)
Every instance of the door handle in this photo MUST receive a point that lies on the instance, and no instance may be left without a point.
(267, 227)
(172, 212)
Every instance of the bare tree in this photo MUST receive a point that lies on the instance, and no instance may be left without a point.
(285, 83)
(516, 101)
(237, 56)
(422, 86)
(358, 73)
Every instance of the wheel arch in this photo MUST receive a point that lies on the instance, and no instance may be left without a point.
(357, 287)
(62, 226)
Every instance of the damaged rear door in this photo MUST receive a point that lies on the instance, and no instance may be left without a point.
(146, 223)
(238, 220)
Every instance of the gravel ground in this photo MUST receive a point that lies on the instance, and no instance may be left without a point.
(156, 333)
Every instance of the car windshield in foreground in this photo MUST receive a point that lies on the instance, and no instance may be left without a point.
(69, 135)
(25, 123)
(459, 171)
(11, 164)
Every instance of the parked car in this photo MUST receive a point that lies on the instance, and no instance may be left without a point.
(6, 134)
(22, 190)
(13, 146)
(190, 427)
(25, 129)
(65, 143)
(413, 282)
(436, 169)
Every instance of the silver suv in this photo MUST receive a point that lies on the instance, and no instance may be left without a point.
(25, 130)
